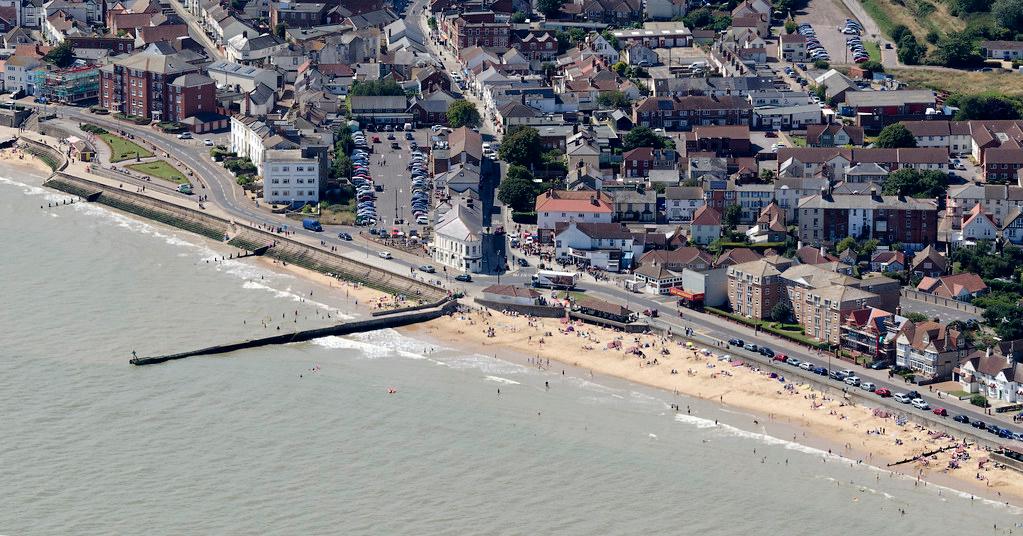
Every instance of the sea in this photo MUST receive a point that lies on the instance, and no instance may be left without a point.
(309, 439)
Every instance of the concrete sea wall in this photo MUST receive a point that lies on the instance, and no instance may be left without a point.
(213, 227)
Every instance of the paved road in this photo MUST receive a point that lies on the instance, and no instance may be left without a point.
(196, 31)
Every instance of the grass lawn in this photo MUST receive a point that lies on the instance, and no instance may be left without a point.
(122, 149)
(160, 169)
(1006, 82)
(873, 50)
(920, 16)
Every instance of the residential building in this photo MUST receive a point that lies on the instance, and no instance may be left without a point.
(640, 161)
(1012, 229)
(931, 349)
(872, 332)
(241, 77)
(459, 240)
(560, 206)
(465, 146)
(256, 49)
(680, 202)
(289, 178)
(1002, 50)
(995, 372)
(706, 226)
(929, 262)
(720, 140)
(825, 219)
(606, 246)
(977, 225)
(792, 48)
(963, 287)
(143, 85)
(996, 200)
(833, 135)
(683, 113)
(754, 288)
(633, 202)
(886, 261)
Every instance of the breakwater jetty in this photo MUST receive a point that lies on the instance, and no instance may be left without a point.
(437, 310)
(247, 238)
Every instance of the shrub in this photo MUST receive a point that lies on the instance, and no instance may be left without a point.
(524, 218)
(979, 400)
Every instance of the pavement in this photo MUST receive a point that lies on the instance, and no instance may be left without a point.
(196, 31)
(933, 310)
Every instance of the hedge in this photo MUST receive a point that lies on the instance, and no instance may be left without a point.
(768, 327)
(524, 218)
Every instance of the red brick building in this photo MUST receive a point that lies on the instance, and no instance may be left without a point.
(537, 45)
(723, 141)
(827, 218)
(157, 86)
(684, 113)
(479, 29)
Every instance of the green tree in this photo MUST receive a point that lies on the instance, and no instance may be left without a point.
(911, 182)
(375, 88)
(895, 136)
(821, 64)
(620, 67)
(642, 137)
(986, 106)
(781, 312)
(701, 18)
(550, 8)
(614, 99)
(957, 49)
(910, 51)
(462, 113)
(900, 30)
(1009, 13)
(518, 173)
(432, 23)
(872, 66)
(62, 55)
(609, 37)
(767, 175)
(522, 147)
(519, 17)
(279, 29)
(732, 215)
(868, 247)
(790, 26)
(845, 243)
(519, 194)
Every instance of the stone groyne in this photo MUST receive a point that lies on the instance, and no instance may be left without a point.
(346, 328)
(247, 238)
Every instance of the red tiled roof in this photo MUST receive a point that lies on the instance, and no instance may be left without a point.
(567, 201)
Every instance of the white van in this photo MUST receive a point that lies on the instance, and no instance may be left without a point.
(408, 127)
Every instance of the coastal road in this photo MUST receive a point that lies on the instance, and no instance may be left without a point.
(711, 328)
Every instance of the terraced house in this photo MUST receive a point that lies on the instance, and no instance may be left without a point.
(684, 113)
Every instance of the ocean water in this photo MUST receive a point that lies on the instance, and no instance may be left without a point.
(305, 439)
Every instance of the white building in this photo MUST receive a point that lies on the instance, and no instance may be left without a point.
(559, 206)
(458, 239)
(244, 77)
(289, 178)
(247, 139)
(16, 73)
(244, 49)
(608, 246)
(995, 373)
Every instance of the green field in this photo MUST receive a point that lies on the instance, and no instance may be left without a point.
(873, 50)
(122, 149)
(160, 169)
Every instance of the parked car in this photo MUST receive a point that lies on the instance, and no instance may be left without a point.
(185, 136)
(978, 424)
(750, 346)
(940, 411)
(878, 365)
(736, 342)
(869, 387)
(852, 380)
(385, 254)
(427, 268)
(465, 278)
(920, 403)
(902, 398)
(961, 418)
(345, 236)
(820, 371)
(883, 392)
(807, 366)
(793, 361)
(207, 142)
(766, 352)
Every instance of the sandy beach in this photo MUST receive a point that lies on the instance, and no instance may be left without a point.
(360, 297)
(16, 158)
(850, 430)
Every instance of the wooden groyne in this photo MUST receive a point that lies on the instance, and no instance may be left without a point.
(926, 454)
(247, 238)
(346, 328)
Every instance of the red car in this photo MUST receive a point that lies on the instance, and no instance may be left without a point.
(883, 392)
(940, 411)
(376, 139)
(780, 357)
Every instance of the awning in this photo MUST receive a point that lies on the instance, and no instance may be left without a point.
(691, 296)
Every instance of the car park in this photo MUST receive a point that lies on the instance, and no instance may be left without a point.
(920, 403)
